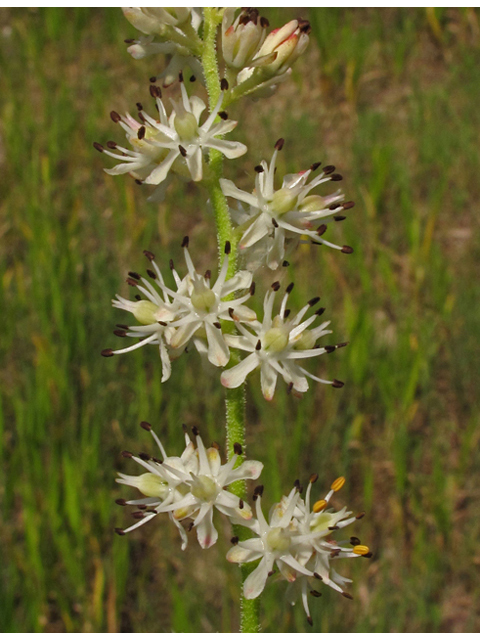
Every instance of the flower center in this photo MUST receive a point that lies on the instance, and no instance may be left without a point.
(283, 200)
(203, 298)
(204, 488)
(275, 340)
(278, 539)
(186, 125)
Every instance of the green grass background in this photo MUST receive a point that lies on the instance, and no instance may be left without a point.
(391, 98)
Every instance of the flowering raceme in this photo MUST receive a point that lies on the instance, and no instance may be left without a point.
(215, 316)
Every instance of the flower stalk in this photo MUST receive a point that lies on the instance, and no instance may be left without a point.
(234, 398)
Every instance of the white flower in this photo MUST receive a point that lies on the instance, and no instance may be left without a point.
(278, 217)
(154, 313)
(274, 544)
(160, 486)
(190, 487)
(158, 144)
(171, 319)
(202, 307)
(299, 542)
(316, 549)
(276, 344)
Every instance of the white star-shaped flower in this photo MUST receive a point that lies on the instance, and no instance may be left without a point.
(276, 344)
(171, 319)
(158, 144)
(274, 545)
(202, 307)
(190, 487)
(278, 217)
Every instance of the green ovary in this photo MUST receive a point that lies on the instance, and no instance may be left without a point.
(204, 488)
(145, 312)
(278, 539)
(186, 126)
(203, 299)
(306, 340)
(312, 203)
(283, 200)
(152, 486)
(275, 340)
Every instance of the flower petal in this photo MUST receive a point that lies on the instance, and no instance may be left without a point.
(268, 380)
(255, 583)
(229, 148)
(230, 190)
(234, 377)
(241, 555)
(159, 174)
(218, 351)
(206, 533)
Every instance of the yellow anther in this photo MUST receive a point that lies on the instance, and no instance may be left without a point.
(360, 549)
(338, 484)
(319, 506)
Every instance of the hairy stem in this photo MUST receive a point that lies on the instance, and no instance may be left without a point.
(235, 398)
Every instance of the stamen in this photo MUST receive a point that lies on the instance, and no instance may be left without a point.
(120, 532)
(328, 169)
(361, 549)
(146, 425)
(337, 384)
(99, 147)
(319, 506)
(115, 116)
(337, 484)
(347, 249)
(237, 448)
(127, 454)
(182, 150)
(279, 144)
(107, 353)
(149, 255)
(290, 287)
(185, 241)
(313, 478)
(234, 540)
(224, 84)
(315, 166)
(259, 168)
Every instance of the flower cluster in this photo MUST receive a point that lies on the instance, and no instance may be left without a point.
(169, 30)
(194, 312)
(299, 542)
(175, 142)
(189, 487)
(277, 218)
(191, 313)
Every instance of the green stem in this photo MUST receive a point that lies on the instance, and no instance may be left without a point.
(234, 398)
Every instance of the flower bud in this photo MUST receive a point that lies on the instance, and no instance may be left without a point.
(241, 38)
(152, 20)
(288, 42)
